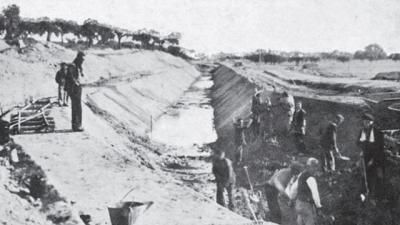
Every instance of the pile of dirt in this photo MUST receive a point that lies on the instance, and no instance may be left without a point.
(340, 191)
(388, 76)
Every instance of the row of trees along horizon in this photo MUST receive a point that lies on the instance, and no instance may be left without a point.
(371, 52)
(16, 28)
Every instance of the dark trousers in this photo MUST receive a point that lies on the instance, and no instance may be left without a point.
(328, 160)
(375, 181)
(220, 195)
(299, 142)
(256, 128)
(273, 204)
(76, 109)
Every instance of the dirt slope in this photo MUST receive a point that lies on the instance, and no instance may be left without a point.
(94, 169)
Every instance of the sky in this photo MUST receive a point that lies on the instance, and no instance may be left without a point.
(212, 26)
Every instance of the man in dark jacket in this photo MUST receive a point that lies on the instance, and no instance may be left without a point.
(78, 62)
(328, 144)
(74, 90)
(225, 177)
(256, 110)
(60, 79)
(308, 199)
(299, 127)
(371, 142)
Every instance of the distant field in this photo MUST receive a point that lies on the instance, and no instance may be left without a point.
(362, 69)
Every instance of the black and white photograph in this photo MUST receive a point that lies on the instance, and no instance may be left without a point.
(199, 112)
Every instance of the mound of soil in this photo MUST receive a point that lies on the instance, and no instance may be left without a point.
(395, 75)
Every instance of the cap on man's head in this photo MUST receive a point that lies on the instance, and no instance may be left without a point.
(340, 117)
(81, 54)
(368, 116)
(312, 162)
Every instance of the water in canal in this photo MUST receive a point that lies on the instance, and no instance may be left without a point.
(191, 121)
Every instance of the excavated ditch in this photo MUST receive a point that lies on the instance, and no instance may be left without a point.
(231, 98)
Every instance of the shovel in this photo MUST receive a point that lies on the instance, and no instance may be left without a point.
(253, 196)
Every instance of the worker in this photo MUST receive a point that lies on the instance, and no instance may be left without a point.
(78, 62)
(240, 138)
(371, 143)
(328, 144)
(60, 79)
(277, 185)
(287, 105)
(224, 177)
(308, 202)
(256, 110)
(74, 90)
(266, 119)
(298, 127)
(4, 131)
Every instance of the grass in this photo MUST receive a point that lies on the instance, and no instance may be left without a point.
(362, 69)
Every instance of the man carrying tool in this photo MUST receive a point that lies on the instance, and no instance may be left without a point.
(276, 185)
(225, 177)
(308, 201)
(371, 142)
(60, 79)
(328, 144)
(74, 89)
(240, 138)
(299, 127)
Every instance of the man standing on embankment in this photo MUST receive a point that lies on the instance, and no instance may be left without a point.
(74, 89)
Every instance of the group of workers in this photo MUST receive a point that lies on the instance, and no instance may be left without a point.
(69, 86)
(291, 121)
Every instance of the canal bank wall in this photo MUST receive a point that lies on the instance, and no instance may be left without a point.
(137, 103)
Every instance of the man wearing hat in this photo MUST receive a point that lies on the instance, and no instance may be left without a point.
(371, 142)
(78, 61)
(225, 177)
(256, 110)
(328, 144)
(74, 89)
(61, 79)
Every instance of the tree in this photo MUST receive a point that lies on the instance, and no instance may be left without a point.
(120, 33)
(67, 26)
(105, 32)
(375, 52)
(11, 21)
(371, 52)
(49, 27)
(89, 30)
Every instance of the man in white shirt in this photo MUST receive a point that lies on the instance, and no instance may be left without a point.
(276, 186)
(308, 199)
